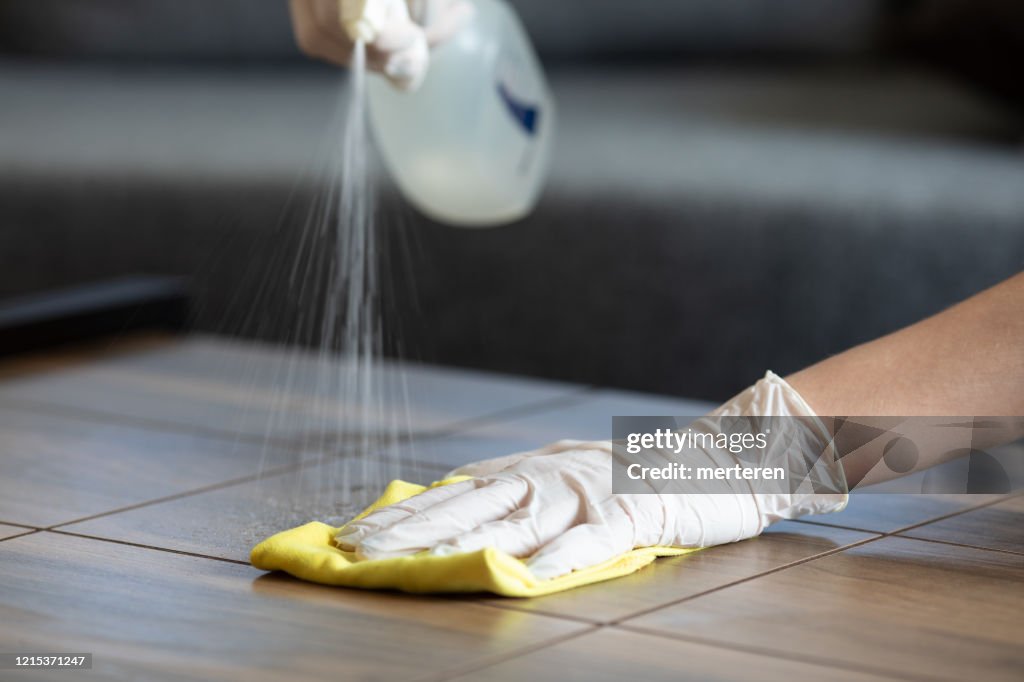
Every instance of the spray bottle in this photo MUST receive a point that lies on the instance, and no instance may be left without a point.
(471, 145)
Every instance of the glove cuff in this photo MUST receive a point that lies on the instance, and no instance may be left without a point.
(813, 456)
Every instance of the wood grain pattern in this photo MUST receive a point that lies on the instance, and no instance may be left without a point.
(54, 470)
(613, 654)
(1000, 526)
(227, 523)
(913, 607)
(152, 615)
(246, 388)
(671, 579)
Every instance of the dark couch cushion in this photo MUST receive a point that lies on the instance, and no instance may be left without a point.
(562, 29)
(699, 226)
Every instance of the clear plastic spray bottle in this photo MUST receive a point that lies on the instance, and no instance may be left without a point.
(471, 145)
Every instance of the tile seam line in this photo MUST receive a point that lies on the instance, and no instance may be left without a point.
(21, 525)
(305, 463)
(308, 463)
(446, 429)
(777, 569)
(593, 626)
(998, 500)
(272, 473)
(512, 606)
(139, 545)
(496, 659)
(345, 454)
(141, 423)
(901, 529)
(822, 524)
(782, 655)
(902, 535)
(281, 443)
(454, 428)
(170, 550)
(21, 535)
(960, 544)
(509, 413)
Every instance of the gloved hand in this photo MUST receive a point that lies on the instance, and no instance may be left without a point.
(555, 506)
(398, 33)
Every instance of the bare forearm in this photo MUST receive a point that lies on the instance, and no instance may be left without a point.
(967, 360)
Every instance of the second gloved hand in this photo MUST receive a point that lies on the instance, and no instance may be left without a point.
(555, 508)
(398, 33)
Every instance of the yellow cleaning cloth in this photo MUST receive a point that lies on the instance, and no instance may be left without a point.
(309, 552)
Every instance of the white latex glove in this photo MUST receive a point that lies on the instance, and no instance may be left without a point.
(398, 33)
(555, 508)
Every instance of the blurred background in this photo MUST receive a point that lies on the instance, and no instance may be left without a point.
(737, 185)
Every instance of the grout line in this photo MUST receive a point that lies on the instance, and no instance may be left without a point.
(512, 606)
(306, 463)
(777, 569)
(465, 426)
(144, 423)
(303, 463)
(271, 473)
(998, 500)
(286, 443)
(878, 535)
(19, 525)
(496, 659)
(386, 453)
(823, 524)
(297, 441)
(773, 653)
(918, 524)
(21, 535)
(508, 414)
(959, 544)
(144, 546)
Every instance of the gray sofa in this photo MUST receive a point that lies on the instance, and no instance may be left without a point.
(736, 186)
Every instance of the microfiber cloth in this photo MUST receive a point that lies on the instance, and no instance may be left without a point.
(309, 552)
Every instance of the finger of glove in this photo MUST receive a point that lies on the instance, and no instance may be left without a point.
(406, 55)
(398, 36)
(488, 467)
(497, 464)
(385, 517)
(585, 545)
(568, 444)
(520, 535)
(445, 520)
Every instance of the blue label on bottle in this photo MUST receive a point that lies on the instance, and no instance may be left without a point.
(526, 115)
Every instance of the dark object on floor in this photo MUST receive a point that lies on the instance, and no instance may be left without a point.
(81, 313)
(979, 41)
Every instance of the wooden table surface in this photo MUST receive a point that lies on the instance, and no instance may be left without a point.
(135, 477)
